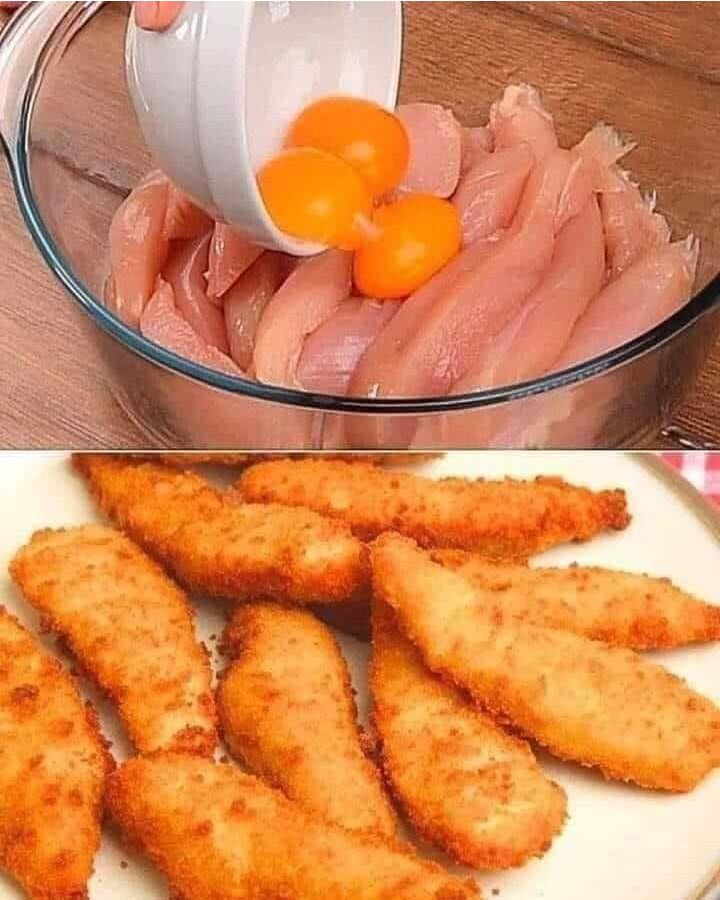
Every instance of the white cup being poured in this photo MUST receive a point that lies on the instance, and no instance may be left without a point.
(216, 92)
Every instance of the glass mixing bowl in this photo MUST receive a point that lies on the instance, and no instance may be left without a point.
(74, 150)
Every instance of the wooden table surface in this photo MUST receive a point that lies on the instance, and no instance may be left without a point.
(54, 392)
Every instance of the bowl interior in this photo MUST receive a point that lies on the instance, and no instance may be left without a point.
(640, 67)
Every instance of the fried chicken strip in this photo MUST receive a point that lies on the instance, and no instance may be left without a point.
(505, 519)
(583, 700)
(466, 785)
(53, 764)
(130, 627)
(288, 712)
(223, 549)
(215, 832)
(618, 608)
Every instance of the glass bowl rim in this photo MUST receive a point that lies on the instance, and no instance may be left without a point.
(20, 167)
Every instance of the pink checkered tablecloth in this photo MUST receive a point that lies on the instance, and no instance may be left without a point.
(701, 469)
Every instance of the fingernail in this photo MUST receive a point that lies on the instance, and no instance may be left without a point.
(146, 15)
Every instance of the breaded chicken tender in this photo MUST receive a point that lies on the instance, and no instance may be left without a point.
(217, 833)
(618, 608)
(130, 627)
(502, 519)
(53, 765)
(288, 712)
(583, 700)
(224, 549)
(466, 785)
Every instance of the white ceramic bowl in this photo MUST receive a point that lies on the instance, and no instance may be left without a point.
(215, 93)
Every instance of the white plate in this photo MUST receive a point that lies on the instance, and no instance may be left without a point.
(620, 843)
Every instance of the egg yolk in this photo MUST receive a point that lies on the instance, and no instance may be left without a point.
(369, 138)
(315, 196)
(416, 236)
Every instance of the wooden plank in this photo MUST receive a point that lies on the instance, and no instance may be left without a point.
(680, 35)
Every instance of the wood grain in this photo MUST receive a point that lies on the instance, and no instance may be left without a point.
(652, 68)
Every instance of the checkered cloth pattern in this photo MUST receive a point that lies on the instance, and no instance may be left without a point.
(701, 469)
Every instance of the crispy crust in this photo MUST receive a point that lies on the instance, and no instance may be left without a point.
(220, 548)
(53, 765)
(585, 701)
(288, 712)
(215, 832)
(130, 627)
(466, 785)
(503, 519)
(618, 608)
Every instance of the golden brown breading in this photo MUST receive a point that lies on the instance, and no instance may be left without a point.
(217, 833)
(53, 764)
(598, 705)
(618, 608)
(288, 712)
(224, 549)
(505, 519)
(130, 627)
(466, 785)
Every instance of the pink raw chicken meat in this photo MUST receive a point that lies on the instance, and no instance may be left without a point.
(646, 294)
(138, 248)
(488, 195)
(308, 298)
(185, 271)
(476, 144)
(183, 219)
(632, 227)
(533, 340)
(536, 336)
(520, 118)
(436, 142)
(162, 323)
(245, 303)
(434, 339)
(230, 256)
(331, 353)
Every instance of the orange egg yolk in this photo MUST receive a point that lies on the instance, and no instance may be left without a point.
(315, 196)
(369, 138)
(416, 236)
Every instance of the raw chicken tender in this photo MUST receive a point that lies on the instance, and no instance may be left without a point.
(230, 255)
(436, 148)
(185, 271)
(138, 247)
(308, 298)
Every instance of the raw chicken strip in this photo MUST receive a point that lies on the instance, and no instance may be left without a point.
(138, 248)
(433, 340)
(436, 141)
(161, 322)
(185, 272)
(520, 118)
(476, 144)
(308, 298)
(230, 255)
(643, 296)
(535, 338)
(245, 303)
(632, 227)
(488, 195)
(331, 353)
(183, 219)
